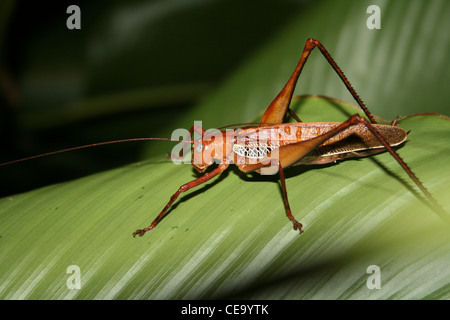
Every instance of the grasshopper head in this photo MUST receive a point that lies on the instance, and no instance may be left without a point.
(211, 147)
(202, 156)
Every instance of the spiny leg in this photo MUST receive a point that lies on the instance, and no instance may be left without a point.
(292, 153)
(437, 208)
(297, 225)
(356, 119)
(343, 77)
(174, 197)
(277, 110)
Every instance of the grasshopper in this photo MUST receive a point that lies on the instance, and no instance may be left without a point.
(273, 145)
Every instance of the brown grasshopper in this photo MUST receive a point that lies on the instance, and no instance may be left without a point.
(273, 145)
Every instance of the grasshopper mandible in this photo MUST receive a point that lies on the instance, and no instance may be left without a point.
(273, 145)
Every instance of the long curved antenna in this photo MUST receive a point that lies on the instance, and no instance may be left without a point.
(89, 146)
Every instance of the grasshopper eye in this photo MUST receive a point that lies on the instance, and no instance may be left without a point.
(199, 148)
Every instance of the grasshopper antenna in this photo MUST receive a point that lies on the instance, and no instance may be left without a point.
(92, 145)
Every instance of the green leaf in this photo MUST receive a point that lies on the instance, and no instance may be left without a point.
(230, 238)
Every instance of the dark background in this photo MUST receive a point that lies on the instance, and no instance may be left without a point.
(133, 67)
(143, 68)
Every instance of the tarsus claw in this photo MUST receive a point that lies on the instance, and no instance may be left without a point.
(298, 226)
(139, 232)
